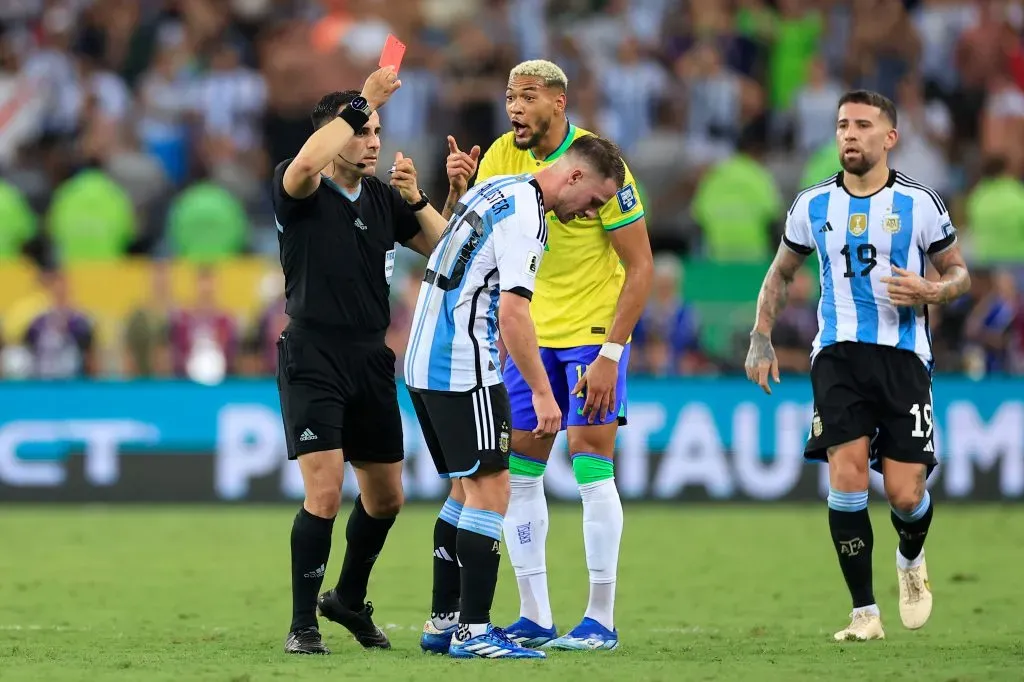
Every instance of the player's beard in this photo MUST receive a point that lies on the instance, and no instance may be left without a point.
(858, 166)
(534, 140)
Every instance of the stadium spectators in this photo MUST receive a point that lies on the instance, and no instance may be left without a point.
(147, 128)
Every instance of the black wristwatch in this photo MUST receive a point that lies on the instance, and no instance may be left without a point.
(356, 114)
(419, 205)
(361, 105)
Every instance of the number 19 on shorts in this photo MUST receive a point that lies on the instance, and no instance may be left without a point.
(922, 413)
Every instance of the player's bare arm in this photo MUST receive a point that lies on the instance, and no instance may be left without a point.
(302, 176)
(909, 288)
(460, 167)
(761, 360)
(403, 178)
(633, 247)
(521, 343)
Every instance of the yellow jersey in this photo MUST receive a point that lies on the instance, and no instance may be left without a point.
(580, 276)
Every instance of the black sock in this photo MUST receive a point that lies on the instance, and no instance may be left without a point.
(364, 537)
(311, 547)
(445, 599)
(913, 527)
(479, 548)
(853, 539)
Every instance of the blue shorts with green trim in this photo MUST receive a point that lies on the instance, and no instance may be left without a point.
(564, 367)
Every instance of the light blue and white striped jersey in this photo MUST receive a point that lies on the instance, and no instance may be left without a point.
(494, 242)
(859, 240)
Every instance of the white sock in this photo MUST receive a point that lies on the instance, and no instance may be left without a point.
(445, 621)
(870, 608)
(602, 533)
(526, 532)
(467, 631)
(903, 563)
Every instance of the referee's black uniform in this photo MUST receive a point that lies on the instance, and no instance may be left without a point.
(336, 376)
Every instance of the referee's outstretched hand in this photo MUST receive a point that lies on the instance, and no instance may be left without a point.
(380, 85)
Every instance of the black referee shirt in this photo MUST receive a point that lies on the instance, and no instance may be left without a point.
(338, 254)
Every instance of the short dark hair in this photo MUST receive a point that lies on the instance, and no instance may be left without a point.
(873, 99)
(329, 106)
(603, 155)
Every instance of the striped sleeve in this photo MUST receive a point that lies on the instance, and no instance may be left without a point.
(519, 242)
(797, 235)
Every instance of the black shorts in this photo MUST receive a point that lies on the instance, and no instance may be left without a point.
(338, 393)
(865, 389)
(467, 433)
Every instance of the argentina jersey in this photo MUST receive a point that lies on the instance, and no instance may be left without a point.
(859, 240)
(494, 242)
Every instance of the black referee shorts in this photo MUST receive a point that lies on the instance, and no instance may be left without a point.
(866, 389)
(338, 392)
(466, 433)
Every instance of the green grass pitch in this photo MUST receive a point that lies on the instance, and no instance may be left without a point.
(704, 593)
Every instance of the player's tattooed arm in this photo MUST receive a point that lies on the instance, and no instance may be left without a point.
(761, 361)
(955, 280)
(775, 289)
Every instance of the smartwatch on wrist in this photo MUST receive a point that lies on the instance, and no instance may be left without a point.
(419, 205)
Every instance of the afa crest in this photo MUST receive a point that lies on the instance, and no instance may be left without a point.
(891, 224)
(816, 424)
(503, 439)
(858, 224)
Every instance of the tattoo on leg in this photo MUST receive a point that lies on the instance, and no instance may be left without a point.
(920, 483)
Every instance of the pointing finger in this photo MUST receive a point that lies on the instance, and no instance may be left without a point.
(474, 153)
(453, 146)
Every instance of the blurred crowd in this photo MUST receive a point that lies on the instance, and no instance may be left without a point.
(149, 128)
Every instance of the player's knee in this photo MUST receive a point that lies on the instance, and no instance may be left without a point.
(323, 501)
(905, 499)
(848, 468)
(384, 504)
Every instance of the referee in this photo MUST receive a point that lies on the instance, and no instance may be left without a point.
(338, 225)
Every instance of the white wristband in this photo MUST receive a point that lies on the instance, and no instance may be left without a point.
(612, 351)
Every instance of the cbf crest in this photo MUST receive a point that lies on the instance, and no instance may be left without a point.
(858, 224)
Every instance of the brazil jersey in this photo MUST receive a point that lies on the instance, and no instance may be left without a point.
(580, 277)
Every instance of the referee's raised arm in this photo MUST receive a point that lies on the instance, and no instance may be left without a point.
(302, 177)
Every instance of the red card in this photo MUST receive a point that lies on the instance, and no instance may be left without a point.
(394, 50)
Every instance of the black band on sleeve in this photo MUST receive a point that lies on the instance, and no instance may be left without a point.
(521, 291)
(942, 244)
(798, 248)
(355, 118)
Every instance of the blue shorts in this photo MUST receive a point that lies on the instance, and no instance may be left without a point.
(564, 368)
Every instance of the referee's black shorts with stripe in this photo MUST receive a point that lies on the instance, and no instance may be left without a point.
(467, 433)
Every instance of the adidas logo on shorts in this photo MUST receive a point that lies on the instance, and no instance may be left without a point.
(307, 435)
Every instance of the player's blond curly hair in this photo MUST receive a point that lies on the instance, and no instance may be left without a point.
(549, 72)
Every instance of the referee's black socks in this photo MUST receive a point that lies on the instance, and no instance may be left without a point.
(311, 547)
(364, 540)
(853, 538)
(912, 527)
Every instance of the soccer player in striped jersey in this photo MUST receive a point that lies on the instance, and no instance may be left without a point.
(591, 291)
(483, 272)
(873, 229)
